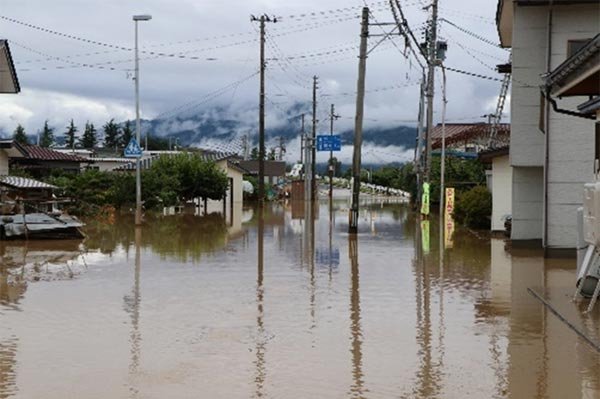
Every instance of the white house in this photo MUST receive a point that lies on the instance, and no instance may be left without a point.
(501, 185)
(551, 153)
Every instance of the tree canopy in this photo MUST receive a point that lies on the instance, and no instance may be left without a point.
(47, 136)
(111, 134)
(20, 136)
(89, 138)
(70, 135)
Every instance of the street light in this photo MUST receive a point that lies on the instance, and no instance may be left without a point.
(138, 177)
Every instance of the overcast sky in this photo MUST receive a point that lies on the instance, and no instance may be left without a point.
(217, 45)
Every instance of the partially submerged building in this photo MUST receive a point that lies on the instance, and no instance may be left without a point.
(551, 152)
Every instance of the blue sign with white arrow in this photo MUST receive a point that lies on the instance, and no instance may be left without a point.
(329, 143)
(133, 149)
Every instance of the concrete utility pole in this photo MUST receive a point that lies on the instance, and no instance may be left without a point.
(358, 122)
(307, 168)
(302, 142)
(138, 134)
(261, 109)
(332, 117)
(432, 60)
(314, 140)
(419, 156)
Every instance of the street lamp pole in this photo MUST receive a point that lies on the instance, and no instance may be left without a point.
(138, 175)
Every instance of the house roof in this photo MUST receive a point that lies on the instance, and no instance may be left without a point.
(272, 168)
(578, 75)
(459, 133)
(504, 14)
(46, 154)
(207, 156)
(488, 155)
(9, 82)
(24, 183)
(14, 149)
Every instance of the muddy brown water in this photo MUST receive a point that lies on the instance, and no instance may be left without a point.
(189, 307)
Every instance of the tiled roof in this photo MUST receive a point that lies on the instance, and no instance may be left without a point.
(46, 154)
(22, 182)
(459, 133)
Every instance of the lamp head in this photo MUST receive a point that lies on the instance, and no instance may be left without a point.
(144, 17)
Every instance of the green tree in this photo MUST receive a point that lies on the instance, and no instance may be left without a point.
(111, 134)
(254, 153)
(20, 136)
(474, 208)
(271, 156)
(89, 139)
(70, 135)
(126, 135)
(47, 137)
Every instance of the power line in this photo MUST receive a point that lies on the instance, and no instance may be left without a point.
(472, 34)
(203, 100)
(477, 75)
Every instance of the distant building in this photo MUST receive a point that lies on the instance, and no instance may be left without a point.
(551, 153)
(500, 185)
(467, 137)
(40, 162)
(274, 170)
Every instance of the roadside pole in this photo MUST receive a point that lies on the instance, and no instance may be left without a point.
(331, 168)
(358, 122)
(314, 139)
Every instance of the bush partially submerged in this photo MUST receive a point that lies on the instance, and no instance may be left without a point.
(474, 208)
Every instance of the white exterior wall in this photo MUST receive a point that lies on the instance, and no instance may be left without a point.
(501, 191)
(527, 203)
(571, 139)
(3, 163)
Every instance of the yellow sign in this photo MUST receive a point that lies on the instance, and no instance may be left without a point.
(425, 200)
(449, 201)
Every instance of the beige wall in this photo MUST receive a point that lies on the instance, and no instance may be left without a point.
(501, 191)
(3, 163)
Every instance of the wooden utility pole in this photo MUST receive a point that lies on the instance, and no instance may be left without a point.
(431, 61)
(332, 117)
(261, 109)
(358, 122)
(314, 141)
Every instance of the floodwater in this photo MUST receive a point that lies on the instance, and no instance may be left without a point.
(281, 307)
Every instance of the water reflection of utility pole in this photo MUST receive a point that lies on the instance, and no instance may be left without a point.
(132, 306)
(331, 219)
(356, 389)
(260, 338)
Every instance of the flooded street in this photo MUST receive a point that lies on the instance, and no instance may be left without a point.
(202, 307)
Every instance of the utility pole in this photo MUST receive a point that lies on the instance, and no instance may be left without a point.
(261, 109)
(302, 143)
(281, 147)
(332, 117)
(419, 156)
(358, 122)
(314, 140)
(432, 60)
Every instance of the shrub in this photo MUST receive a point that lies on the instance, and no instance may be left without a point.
(474, 208)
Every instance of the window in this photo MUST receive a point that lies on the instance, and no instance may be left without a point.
(574, 46)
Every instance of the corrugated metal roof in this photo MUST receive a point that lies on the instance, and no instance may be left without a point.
(46, 154)
(458, 133)
(23, 182)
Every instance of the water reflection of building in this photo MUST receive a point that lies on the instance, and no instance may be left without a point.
(534, 354)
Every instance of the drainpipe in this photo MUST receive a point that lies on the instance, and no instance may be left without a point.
(547, 131)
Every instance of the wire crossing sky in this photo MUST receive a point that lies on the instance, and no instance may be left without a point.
(75, 60)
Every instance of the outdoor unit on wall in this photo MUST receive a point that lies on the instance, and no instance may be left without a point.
(591, 213)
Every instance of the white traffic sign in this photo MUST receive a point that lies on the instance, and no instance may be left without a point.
(133, 149)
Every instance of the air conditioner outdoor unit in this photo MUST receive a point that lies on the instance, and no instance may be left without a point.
(591, 213)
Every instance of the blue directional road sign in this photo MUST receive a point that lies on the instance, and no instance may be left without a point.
(133, 149)
(329, 143)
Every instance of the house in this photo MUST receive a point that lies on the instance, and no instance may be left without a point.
(467, 138)
(40, 161)
(500, 185)
(9, 149)
(9, 82)
(551, 153)
(274, 170)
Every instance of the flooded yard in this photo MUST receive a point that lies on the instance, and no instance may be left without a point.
(281, 306)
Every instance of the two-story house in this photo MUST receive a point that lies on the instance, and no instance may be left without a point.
(551, 153)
